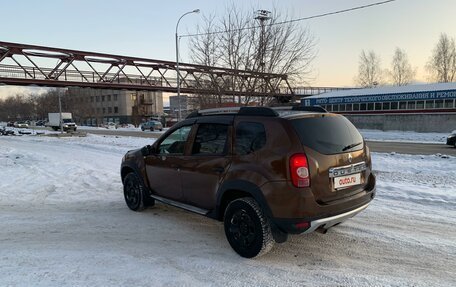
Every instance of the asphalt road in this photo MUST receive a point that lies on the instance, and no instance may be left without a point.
(411, 148)
(375, 146)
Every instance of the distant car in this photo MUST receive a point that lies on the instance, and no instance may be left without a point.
(10, 124)
(40, 123)
(21, 125)
(110, 125)
(152, 126)
(451, 139)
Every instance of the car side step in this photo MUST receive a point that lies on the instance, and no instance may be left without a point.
(181, 205)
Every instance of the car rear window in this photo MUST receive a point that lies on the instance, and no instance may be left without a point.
(328, 134)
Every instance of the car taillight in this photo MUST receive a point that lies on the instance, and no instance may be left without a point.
(299, 170)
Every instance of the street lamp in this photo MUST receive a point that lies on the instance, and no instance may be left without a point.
(177, 62)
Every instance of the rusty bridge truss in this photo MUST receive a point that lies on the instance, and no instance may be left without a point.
(22, 64)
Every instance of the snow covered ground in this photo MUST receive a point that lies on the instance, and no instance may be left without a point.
(64, 223)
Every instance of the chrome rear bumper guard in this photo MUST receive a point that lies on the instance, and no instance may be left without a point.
(328, 222)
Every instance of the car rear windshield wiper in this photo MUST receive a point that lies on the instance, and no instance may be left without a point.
(350, 146)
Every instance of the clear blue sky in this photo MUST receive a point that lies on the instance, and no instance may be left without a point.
(146, 28)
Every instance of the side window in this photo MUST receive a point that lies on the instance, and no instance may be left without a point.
(210, 139)
(175, 142)
(249, 137)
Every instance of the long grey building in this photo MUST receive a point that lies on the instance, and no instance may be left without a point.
(421, 108)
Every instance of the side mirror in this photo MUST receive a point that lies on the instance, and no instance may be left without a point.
(146, 150)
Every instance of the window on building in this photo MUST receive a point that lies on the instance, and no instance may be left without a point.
(430, 104)
(342, 107)
(386, 106)
(449, 104)
(349, 107)
(102, 98)
(104, 110)
(378, 106)
(403, 105)
(109, 98)
(356, 107)
(394, 105)
(420, 105)
(114, 97)
(411, 105)
(116, 110)
(370, 106)
(335, 108)
(328, 108)
(363, 107)
(109, 110)
(98, 99)
(438, 104)
(92, 99)
(98, 110)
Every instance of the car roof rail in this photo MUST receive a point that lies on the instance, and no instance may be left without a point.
(244, 111)
(318, 109)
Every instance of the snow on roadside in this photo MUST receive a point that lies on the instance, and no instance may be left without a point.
(62, 169)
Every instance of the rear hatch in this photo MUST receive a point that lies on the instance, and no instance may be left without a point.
(339, 164)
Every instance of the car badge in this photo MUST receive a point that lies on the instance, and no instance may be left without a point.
(350, 158)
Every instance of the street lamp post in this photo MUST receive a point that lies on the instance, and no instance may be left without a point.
(177, 62)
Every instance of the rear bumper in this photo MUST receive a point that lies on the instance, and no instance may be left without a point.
(306, 225)
(324, 217)
(329, 222)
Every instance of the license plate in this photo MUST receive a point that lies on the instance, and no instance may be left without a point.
(346, 181)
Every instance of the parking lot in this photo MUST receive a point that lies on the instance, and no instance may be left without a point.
(65, 223)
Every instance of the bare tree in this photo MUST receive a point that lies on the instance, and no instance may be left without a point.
(369, 70)
(18, 107)
(401, 72)
(442, 64)
(286, 49)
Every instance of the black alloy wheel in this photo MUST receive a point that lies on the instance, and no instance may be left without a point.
(133, 192)
(247, 229)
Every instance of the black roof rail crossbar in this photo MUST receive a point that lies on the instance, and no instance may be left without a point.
(258, 111)
(244, 111)
(319, 109)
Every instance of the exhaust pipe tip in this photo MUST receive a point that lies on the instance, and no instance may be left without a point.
(321, 230)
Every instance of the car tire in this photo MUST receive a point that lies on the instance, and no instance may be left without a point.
(247, 229)
(134, 193)
(142, 128)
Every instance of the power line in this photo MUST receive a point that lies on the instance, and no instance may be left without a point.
(293, 20)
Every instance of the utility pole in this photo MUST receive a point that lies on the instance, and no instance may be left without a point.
(262, 16)
(60, 111)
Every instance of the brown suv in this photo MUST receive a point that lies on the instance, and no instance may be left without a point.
(264, 172)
